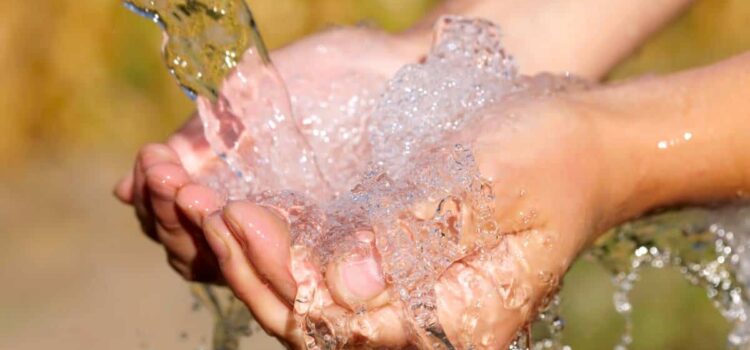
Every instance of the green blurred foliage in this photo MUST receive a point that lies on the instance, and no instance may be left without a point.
(668, 312)
(87, 75)
(709, 31)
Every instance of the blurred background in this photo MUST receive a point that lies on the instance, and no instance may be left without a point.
(82, 85)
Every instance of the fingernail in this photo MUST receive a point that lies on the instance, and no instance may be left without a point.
(217, 240)
(362, 277)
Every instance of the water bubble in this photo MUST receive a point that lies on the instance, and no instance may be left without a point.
(397, 153)
(707, 246)
(558, 324)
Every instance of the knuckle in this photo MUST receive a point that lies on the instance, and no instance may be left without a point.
(180, 267)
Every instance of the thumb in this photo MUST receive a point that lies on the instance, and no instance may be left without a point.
(356, 280)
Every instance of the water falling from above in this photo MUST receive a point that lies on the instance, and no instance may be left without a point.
(412, 154)
(204, 42)
(205, 39)
(250, 125)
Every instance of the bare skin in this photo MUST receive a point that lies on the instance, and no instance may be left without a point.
(154, 199)
(174, 209)
(162, 169)
(558, 35)
(604, 160)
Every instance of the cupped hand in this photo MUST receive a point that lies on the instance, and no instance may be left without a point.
(322, 72)
(542, 158)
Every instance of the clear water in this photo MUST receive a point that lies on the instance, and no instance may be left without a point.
(414, 154)
(204, 39)
(708, 246)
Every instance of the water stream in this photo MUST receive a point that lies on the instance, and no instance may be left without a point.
(414, 154)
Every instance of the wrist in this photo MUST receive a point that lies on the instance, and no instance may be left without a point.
(673, 140)
(531, 30)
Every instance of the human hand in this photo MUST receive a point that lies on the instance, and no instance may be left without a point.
(549, 200)
(563, 169)
(172, 206)
(332, 66)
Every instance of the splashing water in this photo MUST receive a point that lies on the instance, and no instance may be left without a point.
(415, 156)
(429, 167)
(709, 247)
(207, 39)
(204, 40)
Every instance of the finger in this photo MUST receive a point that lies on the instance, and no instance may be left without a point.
(269, 310)
(163, 181)
(470, 311)
(142, 203)
(148, 155)
(180, 265)
(265, 239)
(197, 202)
(124, 189)
(356, 280)
(380, 329)
(186, 247)
(498, 292)
(189, 255)
(190, 144)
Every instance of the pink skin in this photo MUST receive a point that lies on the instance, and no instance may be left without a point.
(553, 198)
(248, 245)
(243, 229)
(157, 177)
(523, 264)
(385, 55)
(161, 171)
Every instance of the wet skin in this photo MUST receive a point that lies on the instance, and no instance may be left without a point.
(529, 44)
(602, 161)
(555, 193)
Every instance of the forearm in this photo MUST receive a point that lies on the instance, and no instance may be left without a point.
(679, 139)
(583, 37)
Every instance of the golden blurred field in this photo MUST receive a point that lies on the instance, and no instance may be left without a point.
(88, 74)
(82, 86)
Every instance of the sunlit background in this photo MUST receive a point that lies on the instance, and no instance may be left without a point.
(82, 86)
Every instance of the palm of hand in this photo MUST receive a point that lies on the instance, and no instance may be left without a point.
(495, 291)
(332, 80)
(162, 186)
(512, 278)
